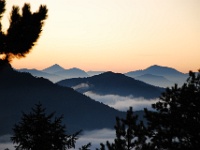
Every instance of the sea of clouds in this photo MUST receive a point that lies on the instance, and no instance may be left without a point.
(123, 102)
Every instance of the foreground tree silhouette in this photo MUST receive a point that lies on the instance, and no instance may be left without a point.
(23, 31)
(174, 125)
(39, 131)
(176, 122)
(130, 134)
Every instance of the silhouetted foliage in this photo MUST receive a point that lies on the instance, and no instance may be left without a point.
(23, 31)
(85, 147)
(176, 122)
(39, 131)
(174, 125)
(129, 133)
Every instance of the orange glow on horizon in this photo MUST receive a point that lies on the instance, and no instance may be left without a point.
(115, 35)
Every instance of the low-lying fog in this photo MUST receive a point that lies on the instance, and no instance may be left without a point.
(123, 102)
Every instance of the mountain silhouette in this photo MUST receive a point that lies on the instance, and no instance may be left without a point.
(21, 91)
(54, 68)
(168, 73)
(113, 83)
(154, 75)
(56, 73)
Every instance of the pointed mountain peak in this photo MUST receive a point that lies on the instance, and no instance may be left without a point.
(56, 65)
(54, 68)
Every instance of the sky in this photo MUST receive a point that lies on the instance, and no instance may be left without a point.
(115, 35)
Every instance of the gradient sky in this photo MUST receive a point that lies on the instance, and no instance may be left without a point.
(117, 35)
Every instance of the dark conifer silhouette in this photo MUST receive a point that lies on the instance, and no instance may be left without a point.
(129, 134)
(173, 125)
(23, 31)
(85, 147)
(39, 131)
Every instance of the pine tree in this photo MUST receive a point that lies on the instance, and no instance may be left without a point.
(39, 131)
(85, 147)
(129, 134)
(176, 121)
(23, 31)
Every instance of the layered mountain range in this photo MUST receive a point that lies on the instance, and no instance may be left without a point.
(56, 73)
(155, 75)
(159, 76)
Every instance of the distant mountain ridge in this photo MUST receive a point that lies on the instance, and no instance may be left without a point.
(155, 75)
(113, 83)
(170, 74)
(156, 70)
(56, 73)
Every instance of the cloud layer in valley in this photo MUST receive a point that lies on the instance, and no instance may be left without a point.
(123, 102)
